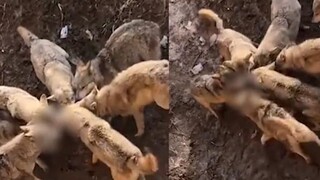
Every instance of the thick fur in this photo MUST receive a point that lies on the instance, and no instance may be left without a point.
(19, 155)
(283, 30)
(107, 145)
(316, 11)
(274, 121)
(132, 42)
(9, 127)
(134, 88)
(206, 93)
(303, 57)
(21, 104)
(235, 48)
(302, 96)
(289, 10)
(51, 66)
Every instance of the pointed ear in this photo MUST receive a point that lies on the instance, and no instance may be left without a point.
(95, 89)
(43, 99)
(93, 106)
(251, 64)
(88, 65)
(52, 98)
(134, 159)
(29, 123)
(86, 124)
(26, 131)
(229, 65)
(248, 57)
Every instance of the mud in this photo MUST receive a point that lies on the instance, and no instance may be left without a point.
(45, 19)
(227, 149)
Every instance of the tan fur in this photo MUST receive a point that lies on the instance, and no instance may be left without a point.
(235, 48)
(283, 30)
(201, 89)
(273, 120)
(133, 89)
(210, 22)
(51, 66)
(19, 155)
(107, 145)
(9, 128)
(302, 96)
(304, 57)
(316, 11)
(21, 104)
(132, 42)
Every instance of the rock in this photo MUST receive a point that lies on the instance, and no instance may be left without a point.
(164, 41)
(64, 32)
(197, 69)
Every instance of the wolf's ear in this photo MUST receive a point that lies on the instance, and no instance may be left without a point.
(52, 98)
(29, 123)
(88, 65)
(248, 57)
(95, 90)
(86, 124)
(134, 159)
(43, 99)
(26, 131)
(93, 106)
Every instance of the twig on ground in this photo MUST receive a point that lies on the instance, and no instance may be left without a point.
(196, 59)
(61, 14)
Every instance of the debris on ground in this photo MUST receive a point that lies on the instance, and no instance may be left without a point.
(197, 69)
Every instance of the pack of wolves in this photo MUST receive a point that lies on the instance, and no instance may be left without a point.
(128, 74)
(125, 76)
(253, 79)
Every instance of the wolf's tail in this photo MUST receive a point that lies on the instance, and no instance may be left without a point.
(26, 35)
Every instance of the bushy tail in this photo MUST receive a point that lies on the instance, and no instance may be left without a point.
(26, 35)
(147, 164)
(211, 21)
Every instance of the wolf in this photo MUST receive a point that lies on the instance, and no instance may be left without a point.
(51, 66)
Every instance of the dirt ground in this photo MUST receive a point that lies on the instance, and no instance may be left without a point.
(100, 17)
(223, 150)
